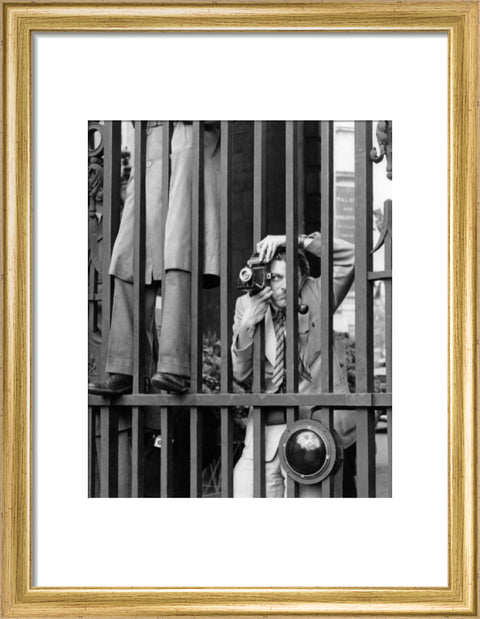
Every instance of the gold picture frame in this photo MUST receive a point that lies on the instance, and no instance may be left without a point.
(460, 20)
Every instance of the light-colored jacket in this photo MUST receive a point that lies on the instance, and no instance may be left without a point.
(176, 253)
(309, 344)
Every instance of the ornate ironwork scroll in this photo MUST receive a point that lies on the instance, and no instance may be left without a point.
(95, 206)
(96, 153)
(384, 139)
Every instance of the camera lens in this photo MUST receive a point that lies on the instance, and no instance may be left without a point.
(245, 274)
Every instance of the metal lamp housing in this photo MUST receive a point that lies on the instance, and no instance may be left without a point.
(309, 452)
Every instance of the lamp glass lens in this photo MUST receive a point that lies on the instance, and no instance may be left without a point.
(305, 452)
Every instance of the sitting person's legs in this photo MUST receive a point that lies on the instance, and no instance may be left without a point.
(119, 365)
(173, 368)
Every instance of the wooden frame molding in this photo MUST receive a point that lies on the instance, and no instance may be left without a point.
(461, 21)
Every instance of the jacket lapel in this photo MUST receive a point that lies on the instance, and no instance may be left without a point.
(303, 334)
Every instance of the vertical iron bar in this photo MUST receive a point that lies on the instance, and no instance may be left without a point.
(364, 307)
(259, 229)
(166, 140)
(139, 245)
(196, 453)
(226, 304)
(196, 303)
(108, 452)
(327, 186)
(92, 452)
(335, 488)
(388, 333)
(138, 455)
(139, 258)
(197, 253)
(259, 489)
(326, 223)
(92, 299)
(226, 442)
(166, 453)
(300, 174)
(291, 227)
(166, 476)
(111, 221)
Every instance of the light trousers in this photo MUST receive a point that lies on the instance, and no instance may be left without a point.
(275, 480)
(174, 343)
(275, 476)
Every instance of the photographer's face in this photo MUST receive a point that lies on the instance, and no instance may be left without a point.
(278, 282)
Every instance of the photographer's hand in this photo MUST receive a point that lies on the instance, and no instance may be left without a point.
(267, 247)
(254, 312)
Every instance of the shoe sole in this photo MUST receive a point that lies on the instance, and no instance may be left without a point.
(109, 392)
(165, 386)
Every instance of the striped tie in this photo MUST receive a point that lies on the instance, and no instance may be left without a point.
(279, 370)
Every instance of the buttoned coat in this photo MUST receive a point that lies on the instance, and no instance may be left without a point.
(309, 346)
(176, 253)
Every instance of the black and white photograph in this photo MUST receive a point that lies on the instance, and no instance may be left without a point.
(240, 309)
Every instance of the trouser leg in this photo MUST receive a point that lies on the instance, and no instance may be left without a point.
(243, 478)
(174, 344)
(120, 340)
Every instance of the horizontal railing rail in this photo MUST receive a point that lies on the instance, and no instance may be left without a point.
(337, 400)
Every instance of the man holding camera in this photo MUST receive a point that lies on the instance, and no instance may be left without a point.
(268, 306)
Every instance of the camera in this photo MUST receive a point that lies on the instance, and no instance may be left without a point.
(254, 276)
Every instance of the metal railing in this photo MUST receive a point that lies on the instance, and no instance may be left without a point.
(107, 416)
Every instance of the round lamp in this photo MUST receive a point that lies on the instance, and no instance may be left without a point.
(309, 452)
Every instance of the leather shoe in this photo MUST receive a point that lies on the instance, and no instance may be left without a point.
(173, 383)
(113, 384)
